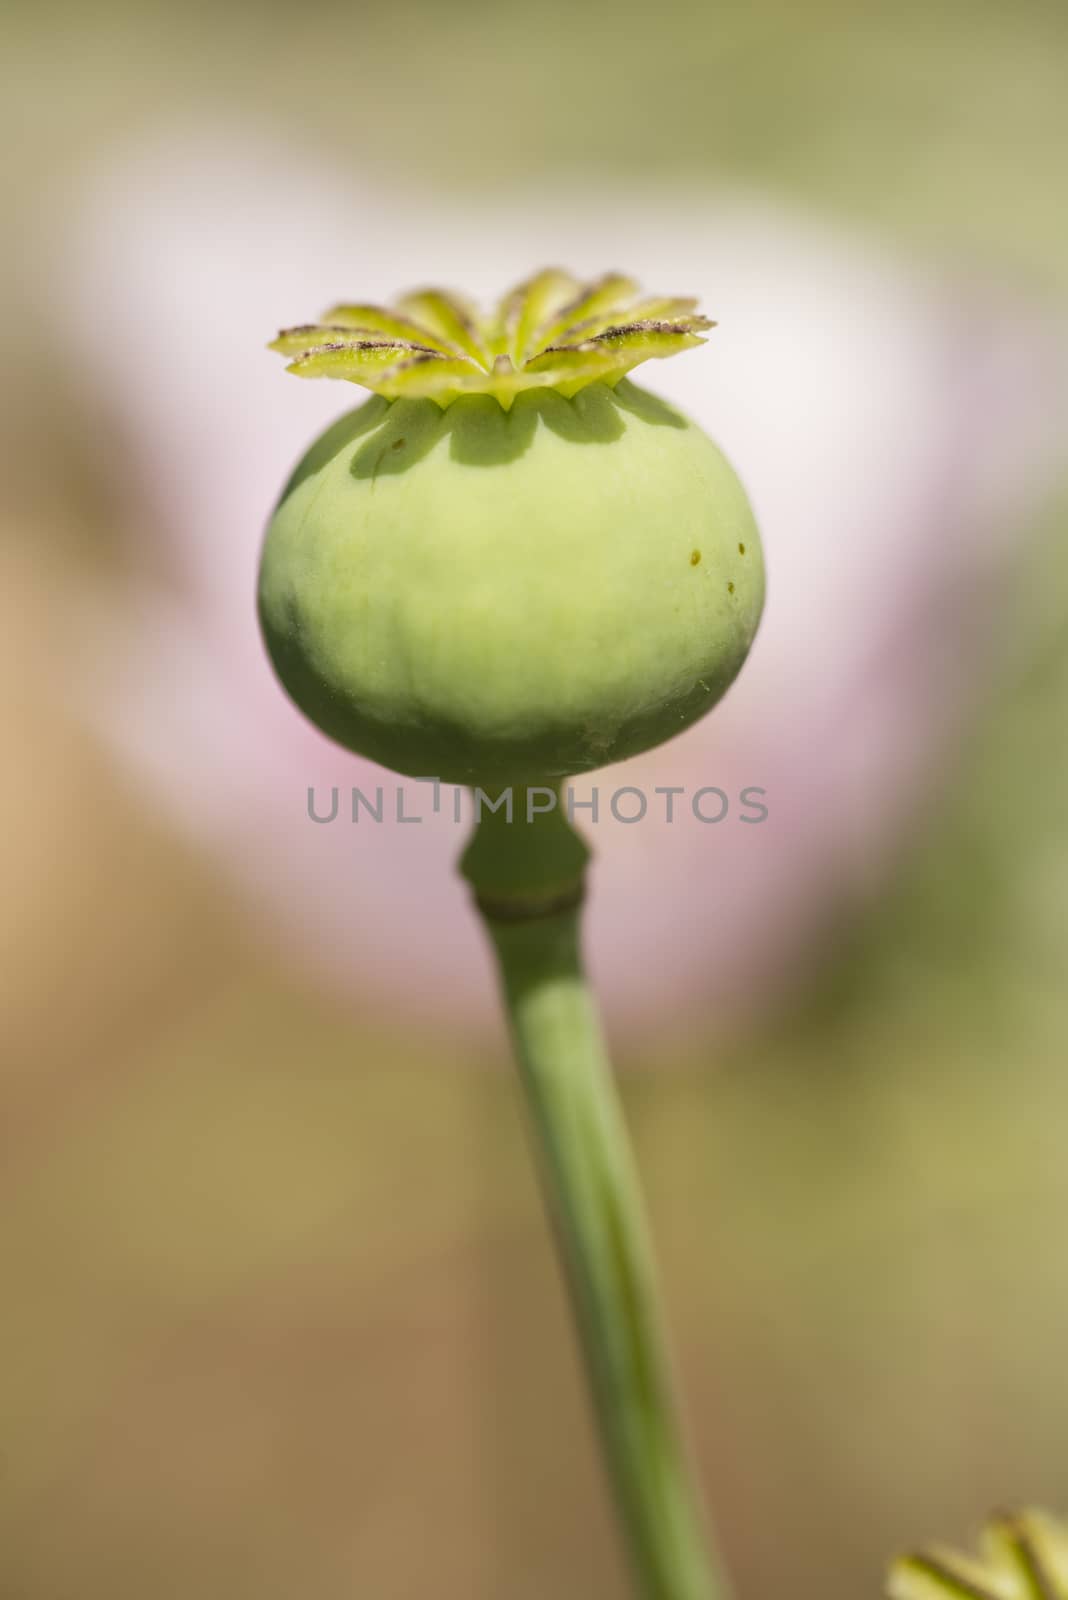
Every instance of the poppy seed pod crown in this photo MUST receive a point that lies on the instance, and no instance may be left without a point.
(510, 565)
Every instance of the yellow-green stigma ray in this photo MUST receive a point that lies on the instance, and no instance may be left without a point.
(551, 331)
(1023, 1556)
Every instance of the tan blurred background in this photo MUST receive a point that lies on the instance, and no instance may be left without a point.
(280, 1316)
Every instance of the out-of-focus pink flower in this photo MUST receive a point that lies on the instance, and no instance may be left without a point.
(893, 428)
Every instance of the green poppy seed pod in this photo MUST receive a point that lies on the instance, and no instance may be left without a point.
(508, 568)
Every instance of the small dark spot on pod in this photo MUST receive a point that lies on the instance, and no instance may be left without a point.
(695, 558)
(730, 588)
(397, 443)
(741, 549)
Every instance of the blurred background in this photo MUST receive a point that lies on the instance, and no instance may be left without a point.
(280, 1315)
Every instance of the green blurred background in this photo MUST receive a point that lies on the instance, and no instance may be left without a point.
(280, 1315)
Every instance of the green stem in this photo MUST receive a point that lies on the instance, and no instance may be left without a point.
(528, 884)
